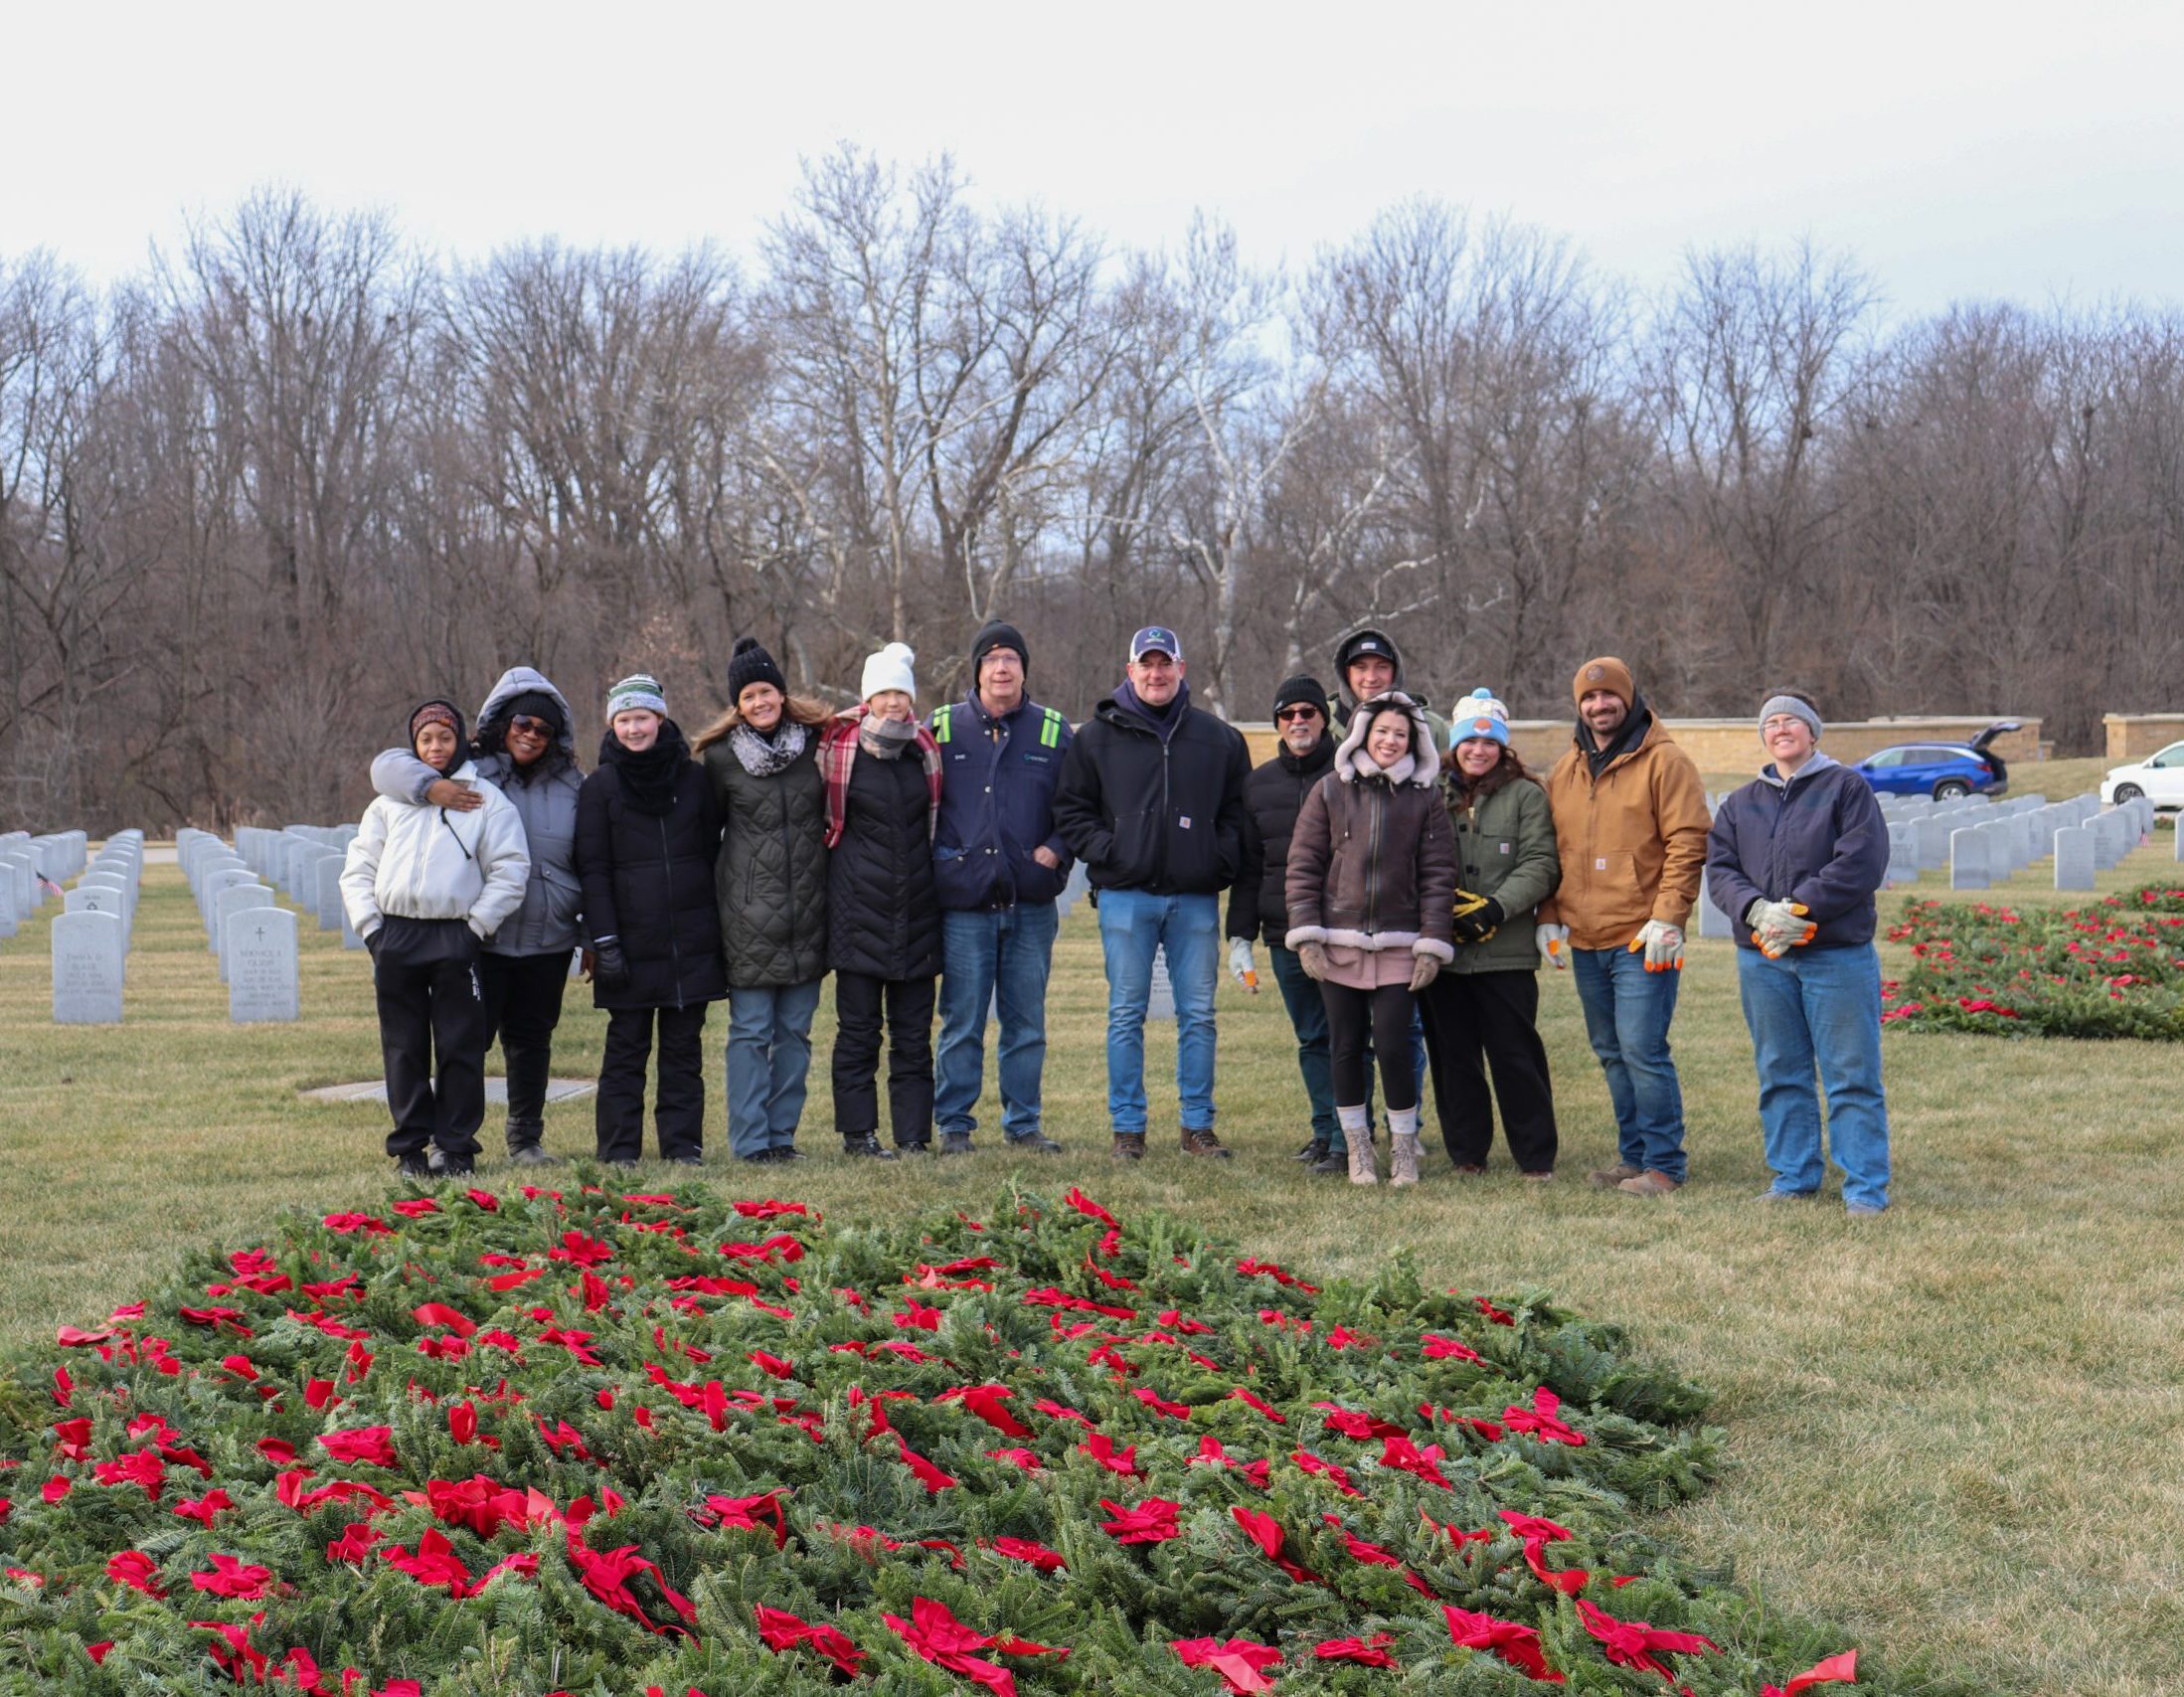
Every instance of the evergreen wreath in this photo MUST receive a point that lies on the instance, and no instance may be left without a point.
(579, 1441)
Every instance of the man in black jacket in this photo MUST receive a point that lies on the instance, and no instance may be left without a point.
(1151, 800)
(1258, 904)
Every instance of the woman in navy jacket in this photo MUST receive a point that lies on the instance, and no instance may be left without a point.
(1794, 859)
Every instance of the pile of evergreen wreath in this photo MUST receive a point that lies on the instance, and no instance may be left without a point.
(592, 1442)
(2111, 968)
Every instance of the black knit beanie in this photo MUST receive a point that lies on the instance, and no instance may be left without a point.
(751, 664)
(535, 704)
(1302, 689)
(998, 633)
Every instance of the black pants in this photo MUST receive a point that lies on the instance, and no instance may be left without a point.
(431, 1009)
(1495, 1016)
(523, 1006)
(1384, 1017)
(678, 1109)
(861, 1003)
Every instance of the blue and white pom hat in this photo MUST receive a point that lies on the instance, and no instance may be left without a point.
(1479, 716)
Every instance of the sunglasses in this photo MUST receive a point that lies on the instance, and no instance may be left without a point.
(1290, 715)
(525, 725)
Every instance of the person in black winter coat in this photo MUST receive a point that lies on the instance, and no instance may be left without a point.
(647, 832)
(1151, 800)
(760, 761)
(1258, 904)
(883, 786)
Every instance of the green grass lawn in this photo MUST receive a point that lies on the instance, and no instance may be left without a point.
(1953, 1429)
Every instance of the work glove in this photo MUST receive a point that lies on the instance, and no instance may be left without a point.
(1425, 968)
(1312, 957)
(610, 966)
(1780, 927)
(1663, 945)
(1477, 917)
(1239, 964)
(1553, 942)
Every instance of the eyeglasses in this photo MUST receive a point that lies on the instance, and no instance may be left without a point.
(524, 725)
(1290, 715)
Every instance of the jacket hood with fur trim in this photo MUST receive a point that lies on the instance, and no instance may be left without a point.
(1421, 767)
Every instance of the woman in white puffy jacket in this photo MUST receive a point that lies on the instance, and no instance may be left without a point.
(424, 888)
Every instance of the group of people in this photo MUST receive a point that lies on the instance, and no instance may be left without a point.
(1409, 876)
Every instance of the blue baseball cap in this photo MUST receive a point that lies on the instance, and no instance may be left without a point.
(1156, 638)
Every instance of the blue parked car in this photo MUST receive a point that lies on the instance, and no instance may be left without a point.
(1943, 770)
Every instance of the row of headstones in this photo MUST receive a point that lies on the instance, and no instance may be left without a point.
(91, 937)
(30, 867)
(304, 863)
(2083, 840)
(252, 937)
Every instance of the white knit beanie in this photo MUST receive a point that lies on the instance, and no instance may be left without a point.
(890, 669)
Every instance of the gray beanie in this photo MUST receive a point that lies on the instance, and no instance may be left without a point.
(1795, 708)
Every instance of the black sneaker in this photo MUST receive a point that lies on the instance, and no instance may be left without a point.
(414, 1167)
(867, 1146)
(1334, 1161)
(784, 1152)
(686, 1160)
(531, 1155)
(1204, 1143)
(956, 1143)
(919, 1146)
(1036, 1144)
(1314, 1152)
(461, 1166)
(623, 1166)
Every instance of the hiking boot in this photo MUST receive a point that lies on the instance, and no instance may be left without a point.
(1652, 1182)
(1607, 1178)
(916, 1147)
(1129, 1146)
(1364, 1170)
(1204, 1143)
(956, 1143)
(1402, 1162)
(1333, 1162)
(1315, 1150)
(865, 1143)
(531, 1155)
(1036, 1144)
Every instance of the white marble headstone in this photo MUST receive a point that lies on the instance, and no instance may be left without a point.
(260, 958)
(87, 969)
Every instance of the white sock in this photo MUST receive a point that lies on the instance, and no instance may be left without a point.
(1403, 1122)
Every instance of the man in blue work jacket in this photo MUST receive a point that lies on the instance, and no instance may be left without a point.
(999, 866)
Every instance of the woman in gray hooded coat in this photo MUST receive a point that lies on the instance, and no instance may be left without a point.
(525, 747)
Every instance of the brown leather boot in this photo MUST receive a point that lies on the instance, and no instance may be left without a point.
(1607, 1178)
(1204, 1143)
(1129, 1146)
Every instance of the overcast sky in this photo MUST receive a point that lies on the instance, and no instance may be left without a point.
(1959, 152)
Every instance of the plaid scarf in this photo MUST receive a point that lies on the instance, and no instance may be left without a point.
(838, 752)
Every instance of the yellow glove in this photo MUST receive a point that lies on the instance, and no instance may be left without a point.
(1477, 917)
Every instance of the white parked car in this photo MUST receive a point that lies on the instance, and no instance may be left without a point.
(2160, 777)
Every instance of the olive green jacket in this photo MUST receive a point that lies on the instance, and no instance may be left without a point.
(1505, 848)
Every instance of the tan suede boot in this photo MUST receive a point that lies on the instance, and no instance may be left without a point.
(1357, 1135)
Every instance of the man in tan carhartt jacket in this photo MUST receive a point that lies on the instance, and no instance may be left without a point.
(1630, 822)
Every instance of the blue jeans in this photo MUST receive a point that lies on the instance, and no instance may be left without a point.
(1819, 1008)
(1309, 1019)
(1132, 924)
(1627, 1015)
(998, 958)
(768, 1056)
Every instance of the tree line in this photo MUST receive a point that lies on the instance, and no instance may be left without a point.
(258, 498)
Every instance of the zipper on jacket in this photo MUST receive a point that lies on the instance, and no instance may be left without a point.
(1372, 864)
(674, 948)
(1161, 836)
